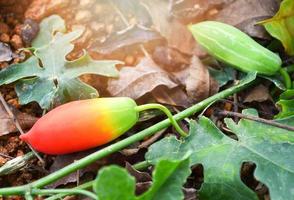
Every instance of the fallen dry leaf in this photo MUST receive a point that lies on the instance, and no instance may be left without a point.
(195, 85)
(132, 35)
(175, 97)
(197, 81)
(197, 10)
(43, 8)
(244, 14)
(139, 176)
(7, 125)
(143, 179)
(133, 11)
(259, 93)
(176, 33)
(180, 88)
(64, 160)
(136, 81)
(170, 59)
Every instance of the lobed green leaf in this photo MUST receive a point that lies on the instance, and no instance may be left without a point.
(281, 26)
(222, 157)
(47, 77)
(168, 178)
(286, 104)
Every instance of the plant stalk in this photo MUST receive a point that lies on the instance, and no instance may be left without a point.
(84, 186)
(286, 78)
(168, 114)
(63, 191)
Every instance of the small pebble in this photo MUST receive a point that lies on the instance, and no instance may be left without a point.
(4, 37)
(98, 9)
(29, 30)
(10, 20)
(96, 26)
(87, 3)
(109, 28)
(19, 153)
(17, 29)
(83, 15)
(4, 28)
(16, 42)
(3, 65)
(129, 60)
(2, 160)
(14, 102)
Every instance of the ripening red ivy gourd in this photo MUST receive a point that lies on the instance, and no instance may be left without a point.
(85, 124)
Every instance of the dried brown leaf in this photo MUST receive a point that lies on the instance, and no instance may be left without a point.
(259, 93)
(170, 59)
(64, 160)
(244, 14)
(7, 125)
(132, 35)
(197, 81)
(176, 33)
(139, 176)
(137, 81)
(175, 97)
(43, 8)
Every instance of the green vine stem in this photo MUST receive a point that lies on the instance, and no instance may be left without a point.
(84, 186)
(20, 190)
(142, 165)
(167, 112)
(63, 191)
(286, 78)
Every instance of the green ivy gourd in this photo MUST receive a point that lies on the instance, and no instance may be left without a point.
(230, 45)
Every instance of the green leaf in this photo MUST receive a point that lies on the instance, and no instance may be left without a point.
(168, 178)
(281, 26)
(48, 27)
(286, 104)
(277, 80)
(36, 89)
(114, 183)
(18, 71)
(56, 80)
(222, 76)
(72, 89)
(270, 148)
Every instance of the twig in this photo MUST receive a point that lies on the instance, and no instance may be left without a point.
(257, 119)
(151, 140)
(6, 156)
(11, 115)
(127, 24)
(17, 124)
(235, 96)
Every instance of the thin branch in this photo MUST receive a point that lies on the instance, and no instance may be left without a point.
(256, 119)
(235, 96)
(17, 124)
(64, 191)
(127, 24)
(6, 156)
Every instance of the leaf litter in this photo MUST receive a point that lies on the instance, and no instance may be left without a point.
(174, 65)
